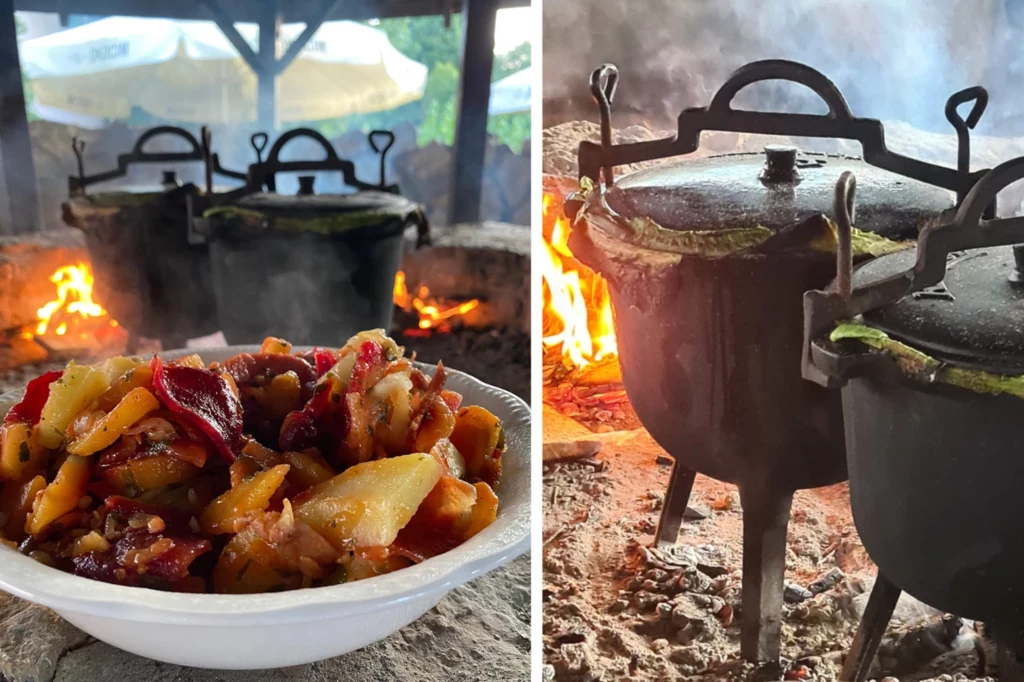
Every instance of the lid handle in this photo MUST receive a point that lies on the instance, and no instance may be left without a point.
(265, 173)
(779, 69)
(719, 115)
(604, 81)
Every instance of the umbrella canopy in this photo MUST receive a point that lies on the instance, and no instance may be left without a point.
(512, 94)
(188, 71)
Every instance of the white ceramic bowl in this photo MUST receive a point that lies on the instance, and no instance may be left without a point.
(288, 628)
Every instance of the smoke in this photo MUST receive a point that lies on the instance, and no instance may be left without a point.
(892, 59)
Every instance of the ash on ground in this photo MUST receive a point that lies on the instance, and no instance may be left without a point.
(614, 608)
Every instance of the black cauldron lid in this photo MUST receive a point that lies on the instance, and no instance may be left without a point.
(974, 317)
(776, 189)
(320, 213)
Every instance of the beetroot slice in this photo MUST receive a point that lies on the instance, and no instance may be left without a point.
(204, 400)
(325, 359)
(36, 394)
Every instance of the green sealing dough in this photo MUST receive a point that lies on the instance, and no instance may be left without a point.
(927, 369)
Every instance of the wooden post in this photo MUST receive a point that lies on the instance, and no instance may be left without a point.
(478, 20)
(15, 143)
(270, 26)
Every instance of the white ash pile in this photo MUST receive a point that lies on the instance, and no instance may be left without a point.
(617, 608)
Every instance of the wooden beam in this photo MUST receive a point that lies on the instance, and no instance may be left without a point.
(248, 11)
(312, 26)
(478, 20)
(270, 29)
(226, 24)
(15, 142)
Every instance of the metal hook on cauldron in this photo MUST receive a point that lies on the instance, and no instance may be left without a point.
(603, 82)
(78, 147)
(205, 142)
(259, 143)
(844, 209)
(382, 150)
(963, 127)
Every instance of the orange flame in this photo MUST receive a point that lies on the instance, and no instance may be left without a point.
(432, 313)
(73, 305)
(576, 300)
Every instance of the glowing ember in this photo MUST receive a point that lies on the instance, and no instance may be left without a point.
(433, 313)
(73, 310)
(577, 308)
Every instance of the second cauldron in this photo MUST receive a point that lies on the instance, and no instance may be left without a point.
(928, 346)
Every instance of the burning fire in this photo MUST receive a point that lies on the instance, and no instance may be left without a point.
(576, 300)
(434, 314)
(73, 309)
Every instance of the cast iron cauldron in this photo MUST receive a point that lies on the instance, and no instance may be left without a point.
(933, 413)
(707, 262)
(313, 268)
(148, 274)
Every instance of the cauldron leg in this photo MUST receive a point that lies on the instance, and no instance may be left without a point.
(678, 495)
(765, 517)
(881, 604)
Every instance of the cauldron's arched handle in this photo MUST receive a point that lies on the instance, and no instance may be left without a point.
(781, 69)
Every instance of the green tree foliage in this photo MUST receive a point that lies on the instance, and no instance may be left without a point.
(426, 40)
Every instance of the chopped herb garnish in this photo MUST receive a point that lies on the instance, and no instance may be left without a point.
(132, 488)
(24, 454)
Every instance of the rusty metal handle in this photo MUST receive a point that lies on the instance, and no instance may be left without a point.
(139, 155)
(78, 147)
(844, 209)
(969, 229)
(963, 126)
(604, 81)
(265, 172)
(259, 141)
(383, 151)
(785, 70)
(719, 115)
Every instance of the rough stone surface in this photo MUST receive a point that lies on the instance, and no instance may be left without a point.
(32, 641)
(479, 632)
